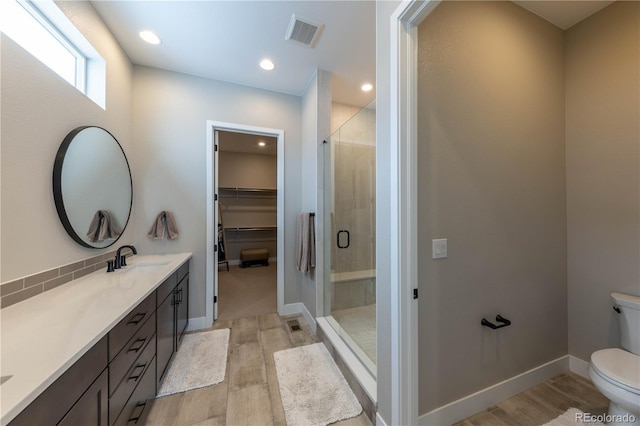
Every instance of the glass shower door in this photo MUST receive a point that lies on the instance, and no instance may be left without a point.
(350, 287)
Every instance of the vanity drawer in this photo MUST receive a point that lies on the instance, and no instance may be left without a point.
(126, 328)
(132, 350)
(132, 378)
(137, 407)
(166, 288)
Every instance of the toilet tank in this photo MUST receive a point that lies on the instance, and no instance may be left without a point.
(629, 321)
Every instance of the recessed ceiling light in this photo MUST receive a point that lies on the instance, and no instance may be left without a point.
(262, 144)
(267, 64)
(367, 87)
(149, 37)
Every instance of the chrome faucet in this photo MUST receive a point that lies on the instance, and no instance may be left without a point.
(121, 260)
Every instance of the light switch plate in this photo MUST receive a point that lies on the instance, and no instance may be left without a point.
(439, 248)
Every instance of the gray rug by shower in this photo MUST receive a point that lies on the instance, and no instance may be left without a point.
(312, 388)
(201, 361)
(573, 417)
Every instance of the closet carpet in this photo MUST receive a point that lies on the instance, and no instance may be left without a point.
(247, 292)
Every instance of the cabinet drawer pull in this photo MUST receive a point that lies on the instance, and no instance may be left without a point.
(137, 348)
(137, 318)
(134, 376)
(176, 299)
(135, 418)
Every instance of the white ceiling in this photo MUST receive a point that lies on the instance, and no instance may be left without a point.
(563, 13)
(247, 143)
(225, 40)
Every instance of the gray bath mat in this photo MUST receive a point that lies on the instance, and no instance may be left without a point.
(201, 361)
(312, 389)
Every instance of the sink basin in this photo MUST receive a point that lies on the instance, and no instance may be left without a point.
(4, 379)
(145, 266)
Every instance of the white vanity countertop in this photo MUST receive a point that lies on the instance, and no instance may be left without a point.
(43, 336)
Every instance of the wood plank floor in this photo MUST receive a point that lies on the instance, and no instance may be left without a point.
(249, 394)
(543, 403)
(247, 292)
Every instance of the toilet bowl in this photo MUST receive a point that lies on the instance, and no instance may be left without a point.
(616, 372)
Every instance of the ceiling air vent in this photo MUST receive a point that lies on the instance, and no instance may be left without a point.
(303, 32)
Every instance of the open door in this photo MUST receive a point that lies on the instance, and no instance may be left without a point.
(212, 283)
(218, 222)
(222, 240)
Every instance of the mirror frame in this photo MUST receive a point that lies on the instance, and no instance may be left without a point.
(57, 186)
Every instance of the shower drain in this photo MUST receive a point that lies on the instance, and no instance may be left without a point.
(294, 325)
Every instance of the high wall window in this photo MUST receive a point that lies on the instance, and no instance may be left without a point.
(44, 31)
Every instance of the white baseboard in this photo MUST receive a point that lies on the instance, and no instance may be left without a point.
(379, 420)
(197, 323)
(481, 400)
(578, 366)
(298, 308)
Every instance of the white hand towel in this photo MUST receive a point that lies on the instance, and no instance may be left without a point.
(305, 243)
(164, 220)
(103, 227)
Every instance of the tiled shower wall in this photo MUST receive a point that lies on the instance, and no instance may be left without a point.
(354, 196)
(353, 293)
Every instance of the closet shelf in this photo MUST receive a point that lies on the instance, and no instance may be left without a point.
(227, 192)
(233, 208)
(251, 229)
(253, 234)
(244, 241)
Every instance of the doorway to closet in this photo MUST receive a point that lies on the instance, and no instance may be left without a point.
(247, 224)
(244, 216)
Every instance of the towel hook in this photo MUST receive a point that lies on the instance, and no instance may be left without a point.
(504, 322)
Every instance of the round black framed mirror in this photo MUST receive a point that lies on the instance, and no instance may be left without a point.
(92, 187)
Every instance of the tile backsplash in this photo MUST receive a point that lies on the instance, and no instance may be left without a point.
(21, 289)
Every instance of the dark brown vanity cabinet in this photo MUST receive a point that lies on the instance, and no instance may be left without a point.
(91, 408)
(80, 394)
(112, 384)
(132, 351)
(165, 315)
(182, 309)
(173, 317)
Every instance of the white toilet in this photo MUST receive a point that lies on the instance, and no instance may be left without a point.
(616, 372)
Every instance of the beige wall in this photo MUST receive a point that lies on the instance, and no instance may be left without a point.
(603, 179)
(171, 112)
(492, 181)
(316, 123)
(245, 170)
(38, 109)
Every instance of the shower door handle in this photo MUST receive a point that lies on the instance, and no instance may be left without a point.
(343, 231)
